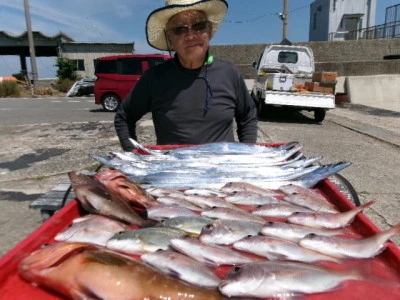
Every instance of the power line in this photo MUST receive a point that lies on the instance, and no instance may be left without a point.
(268, 14)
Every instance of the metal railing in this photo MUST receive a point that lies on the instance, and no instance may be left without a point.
(384, 31)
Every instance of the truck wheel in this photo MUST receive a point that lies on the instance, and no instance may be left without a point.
(319, 115)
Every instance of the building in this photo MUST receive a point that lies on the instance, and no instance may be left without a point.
(334, 20)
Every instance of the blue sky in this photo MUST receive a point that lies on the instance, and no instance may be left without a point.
(247, 22)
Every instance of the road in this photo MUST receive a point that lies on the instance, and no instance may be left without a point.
(43, 139)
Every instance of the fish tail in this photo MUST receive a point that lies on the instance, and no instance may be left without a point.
(366, 205)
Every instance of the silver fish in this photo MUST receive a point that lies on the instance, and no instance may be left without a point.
(171, 200)
(294, 232)
(182, 266)
(209, 255)
(278, 210)
(275, 248)
(237, 187)
(282, 279)
(350, 248)
(232, 214)
(191, 225)
(166, 211)
(93, 229)
(310, 201)
(205, 192)
(327, 220)
(225, 232)
(208, 201)
(143, 240)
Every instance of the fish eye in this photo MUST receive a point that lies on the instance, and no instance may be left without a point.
(208, 226)
(237, 269)
(311, 235)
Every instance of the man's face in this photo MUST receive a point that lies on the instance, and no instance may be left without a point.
(189, 34)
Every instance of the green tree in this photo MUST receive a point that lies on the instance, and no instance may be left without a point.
(66, 69)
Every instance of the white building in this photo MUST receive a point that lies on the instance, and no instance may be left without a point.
(332, 20)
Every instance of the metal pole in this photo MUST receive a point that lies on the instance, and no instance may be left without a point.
(31, 44)
(285, 19)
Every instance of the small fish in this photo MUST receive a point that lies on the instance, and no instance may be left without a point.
(350, 248)
(225, 232)
(232, 214)
(205, 192)
(327, 220)
(294, 232)
(208, 201)
(163, 192)
(182, 266)
(278, 210)
(168, 211)
(191, 225)
(82, 271)
(275, 248)
(171, 200)
(143, 240)
(91, 229)
(209, 255)
(233, 187)
(311, 202)
(248, 198)
(95, 200)
(283, 280)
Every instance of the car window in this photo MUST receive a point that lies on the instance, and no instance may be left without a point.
(105, 66)
(288, 57)
(130, 66)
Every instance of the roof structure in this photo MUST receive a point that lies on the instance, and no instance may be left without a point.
(45, 45)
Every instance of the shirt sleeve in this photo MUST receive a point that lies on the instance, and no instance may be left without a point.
(246, 114)
(136, 104)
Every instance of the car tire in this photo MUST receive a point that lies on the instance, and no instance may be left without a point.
(319, 115)
(110, 102)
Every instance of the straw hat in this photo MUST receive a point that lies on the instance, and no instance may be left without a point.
(157, 20)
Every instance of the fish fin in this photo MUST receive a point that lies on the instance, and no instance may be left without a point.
(84, 293)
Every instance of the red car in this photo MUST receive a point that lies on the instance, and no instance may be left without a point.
(117, 75)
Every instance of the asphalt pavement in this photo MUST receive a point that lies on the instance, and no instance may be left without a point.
(28, 169)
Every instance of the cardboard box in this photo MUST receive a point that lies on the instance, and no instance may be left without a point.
(319, 88)
(325, 77)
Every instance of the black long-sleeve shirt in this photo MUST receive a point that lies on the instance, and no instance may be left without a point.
(189, 106)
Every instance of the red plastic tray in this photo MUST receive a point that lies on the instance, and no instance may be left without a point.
(384, 269)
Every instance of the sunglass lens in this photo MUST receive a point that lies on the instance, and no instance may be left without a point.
(200, 26)
(180, 30)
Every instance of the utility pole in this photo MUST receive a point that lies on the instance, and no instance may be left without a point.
(31, 44)
(284, 18)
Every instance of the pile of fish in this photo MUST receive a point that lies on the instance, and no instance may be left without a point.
(240, 240)
(215, 164)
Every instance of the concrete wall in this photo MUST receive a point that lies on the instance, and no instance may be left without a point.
(363, 72)
(348, 58)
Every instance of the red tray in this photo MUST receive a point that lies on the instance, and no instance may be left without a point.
(383, 269)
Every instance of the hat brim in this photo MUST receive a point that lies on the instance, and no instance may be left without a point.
(157, 20)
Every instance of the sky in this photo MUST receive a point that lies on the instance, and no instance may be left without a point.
(123, 21)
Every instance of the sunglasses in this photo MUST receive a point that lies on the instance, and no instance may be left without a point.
(195, 27)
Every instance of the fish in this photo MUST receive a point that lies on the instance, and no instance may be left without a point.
(311, 200)
(171, 200)
(167, 211)
(225, 232)
(278, 210)
(182, 266)
(143, 240)
(295, 233)
(95, 200)
(246, 198)
(232, 214)
(209, 255)
(283, 280)
(94, 229)
(208, 201)
(82, 271)
(237, 187)
(350, 248)
(119, 186)
(327, 220)
(205, 192)
(191, 225)
(275, 248)
(164, 192)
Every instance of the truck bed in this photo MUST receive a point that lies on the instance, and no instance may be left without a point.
(301, 100)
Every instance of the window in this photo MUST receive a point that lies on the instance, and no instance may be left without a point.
(105, 66)
(130, 66)
(288, 57)
(80, 65)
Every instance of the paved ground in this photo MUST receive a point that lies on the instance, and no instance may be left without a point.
(25, 153)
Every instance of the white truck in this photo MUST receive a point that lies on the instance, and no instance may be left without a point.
(286, 78)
